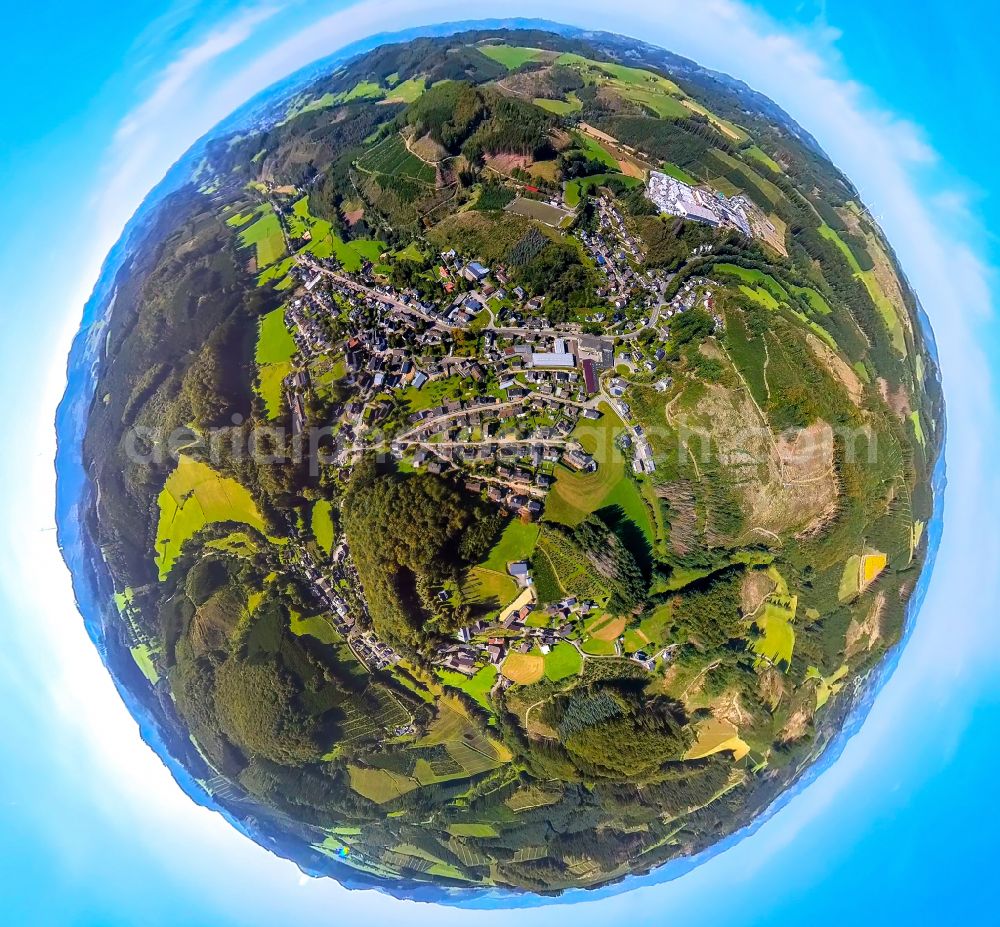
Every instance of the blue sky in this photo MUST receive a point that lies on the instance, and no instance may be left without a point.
(98, 103)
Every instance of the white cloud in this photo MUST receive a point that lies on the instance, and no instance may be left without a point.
(892, 164)
(183, 70)
(151, 137)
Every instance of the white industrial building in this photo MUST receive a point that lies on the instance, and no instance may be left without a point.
(695, 204)
(553, 359)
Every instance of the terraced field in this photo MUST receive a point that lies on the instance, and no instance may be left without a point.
(392, 158)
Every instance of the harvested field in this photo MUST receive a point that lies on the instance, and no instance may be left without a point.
(523, 668)
(717, 736)
(837, 366)
(786, 481)
(541, 212)
(872, 566)
(606, 628)
(863, 635)
(427, 149)
(757, 586)
(506, 163)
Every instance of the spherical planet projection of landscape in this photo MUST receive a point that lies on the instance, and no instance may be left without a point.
(502, 462)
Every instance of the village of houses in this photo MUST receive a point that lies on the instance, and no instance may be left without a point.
(523, 396)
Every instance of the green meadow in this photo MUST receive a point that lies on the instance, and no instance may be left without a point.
(265, 237)
(274, 351)
(510, 56)
(194, 496)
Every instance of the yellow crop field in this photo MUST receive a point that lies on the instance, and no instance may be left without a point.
(871, 566)
(717, 736)
(523, 668)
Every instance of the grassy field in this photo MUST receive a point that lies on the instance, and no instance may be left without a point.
(194, 496)
(762, 157)
(760, 296)
(850, 580)
(663, 104)
(655, 626)
(628, 497)
(350, 254)
(265, 237)
(597, 648)
(144, 660)
(274, 342)
(868, 278)
(576, 188)
(270, 387)
(362, 90)
(826, 686)
(516, 543)
(317, 626)
(477, 687)
(571, 104)
(239, 219)
(678, 173)
(756, 278)
(325, 243)
(533, 796)
(411, 252)
(408, 91)
(405, 92)
(275, 348)
(575, 495)
(657, 93)
(814, 298)
(322, 525)
(750, 178)
(511, 56)
(777, 640)
(634, 641)
(471, 829)
(595, 150)
(488, 588)
(239, 543)
(562, 661)
(392, 158)
(524, 668)
(379, 785)
(277, 273)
